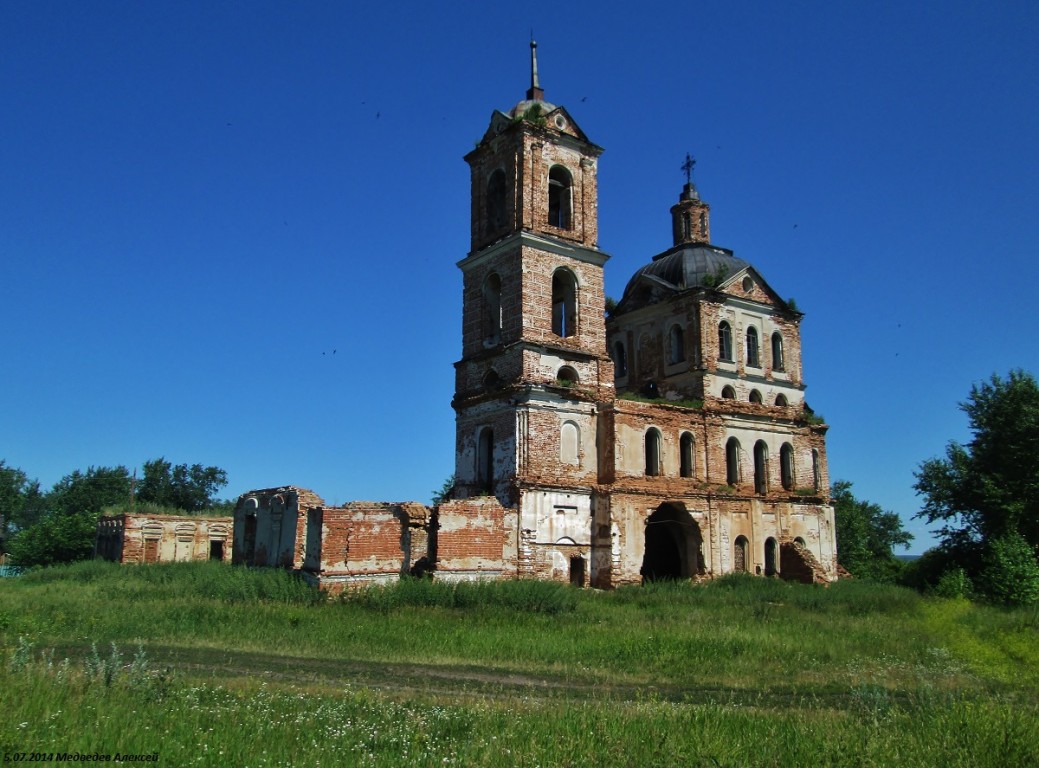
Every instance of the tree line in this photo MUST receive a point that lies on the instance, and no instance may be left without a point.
(40, 527)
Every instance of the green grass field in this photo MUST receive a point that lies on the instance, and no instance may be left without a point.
(203, 664)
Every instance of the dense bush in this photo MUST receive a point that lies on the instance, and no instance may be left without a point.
(1010, 573)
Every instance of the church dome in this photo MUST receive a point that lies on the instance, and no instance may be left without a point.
(690, 266)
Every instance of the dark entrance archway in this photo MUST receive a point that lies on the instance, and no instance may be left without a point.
(673, 545)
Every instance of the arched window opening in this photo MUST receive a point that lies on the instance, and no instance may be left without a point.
(653, 452)
(567, 377)
(739, 560)
(786, 466)
(676, 345)
(686, 455)
(492, 310)
(755, 396)
(492, 381)
(564, 303)
(569, 443)
(778, 364)
(728, 393)
(703, 224)
(560, 191)
(724, 342)
(687, 226)
(798, 540)
(496, 201)
(753, 359)
(816, 477)
(781, 400)
(620, 360)
(485, 460)
(732, 461)
(760, 467)
(771, 549)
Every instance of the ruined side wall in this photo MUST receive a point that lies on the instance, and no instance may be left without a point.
(369, 542)
(143, 538)
(475, 539)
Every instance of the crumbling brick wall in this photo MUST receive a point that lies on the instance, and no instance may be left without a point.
(475, 539)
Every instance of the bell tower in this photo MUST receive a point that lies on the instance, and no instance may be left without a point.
(534, 360)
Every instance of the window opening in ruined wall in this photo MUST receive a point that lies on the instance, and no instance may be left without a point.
(786, 466)
(676, 345)
(724, 342)
(778, 364)
(485, 460)
(492, 310)
(653, 452)
(577, 571)
(732, 461)
(739, 561)
(567, 376)
(771, 547)
(755, 396)
(760, 467)
(781, 400)
(620, 360)
(560, 198)
(816, 479)
(569, 443)
(728, 393)
(685, 444)
(564, 303)
(496, 202)
(753, 357)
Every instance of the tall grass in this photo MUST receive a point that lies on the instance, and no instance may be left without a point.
(65, 707)
(525, 596)
(740, 671)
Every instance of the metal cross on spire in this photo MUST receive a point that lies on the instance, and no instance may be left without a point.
(687, 166)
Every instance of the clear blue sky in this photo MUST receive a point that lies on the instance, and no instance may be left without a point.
(200, 201)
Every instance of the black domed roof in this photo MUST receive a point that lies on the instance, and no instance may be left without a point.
(690, 266)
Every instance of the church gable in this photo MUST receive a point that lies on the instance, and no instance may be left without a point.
(747, 284)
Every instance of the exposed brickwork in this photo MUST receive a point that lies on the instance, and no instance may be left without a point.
(473, 538)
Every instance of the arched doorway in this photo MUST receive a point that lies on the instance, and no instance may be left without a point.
(673, 545)
(771, 551)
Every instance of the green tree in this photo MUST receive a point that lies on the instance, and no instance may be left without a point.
(16, 495)
(1010, 572)
(189, 488)
(65, 531)
(986, 492)
(989, 487)
(444, 492)
(866, 535)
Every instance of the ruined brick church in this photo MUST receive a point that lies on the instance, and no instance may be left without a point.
(665, 438)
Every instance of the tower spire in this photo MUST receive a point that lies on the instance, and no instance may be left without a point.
(535, 92)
